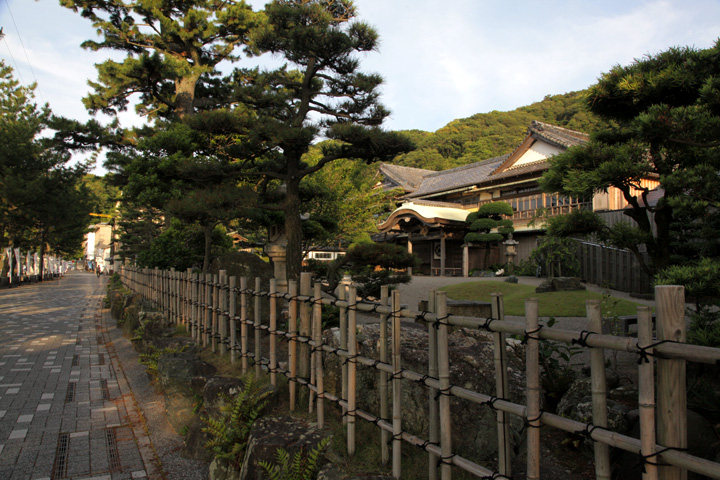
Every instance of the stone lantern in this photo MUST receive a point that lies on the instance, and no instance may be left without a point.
(510, 253)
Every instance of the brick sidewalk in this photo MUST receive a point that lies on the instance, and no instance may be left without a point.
(66, 410)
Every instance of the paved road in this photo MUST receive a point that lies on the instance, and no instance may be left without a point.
(66, 409)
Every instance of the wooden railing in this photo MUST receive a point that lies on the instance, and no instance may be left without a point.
(215, 310)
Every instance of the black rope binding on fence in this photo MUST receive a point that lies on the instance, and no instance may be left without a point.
(486, 325)
(441, 321)
(643, 351)
(491, 403)
(645, 459)
(582, 339)
(528, 421)
(528, 335)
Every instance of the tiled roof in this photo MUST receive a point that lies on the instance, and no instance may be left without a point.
(460, 177)
(562, 137)
(408, 178)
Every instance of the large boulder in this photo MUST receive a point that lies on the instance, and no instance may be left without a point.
(268, 434)
(474, 427)
(560, 284)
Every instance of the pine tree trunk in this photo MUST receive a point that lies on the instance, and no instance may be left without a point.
(293, 230)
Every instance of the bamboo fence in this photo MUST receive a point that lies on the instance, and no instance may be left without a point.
(208, 307)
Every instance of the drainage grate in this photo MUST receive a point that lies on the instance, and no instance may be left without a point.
(61, 457)
(105, 389)
(112, 449)
(70, 394)
(76, 360)
(101, 359)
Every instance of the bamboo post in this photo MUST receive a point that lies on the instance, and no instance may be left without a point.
(352, 369)
(188, 297)
(258, 349)
(222, 314)
(243, 325)
(273, 329)
(292, 344)
(195, 295)
(208, 307)
(599, 391)
(532, 366)
(434, 420)
(501, 387)
(304, 327)
(672, 399)
(342, 314)
(443, 359)
(232, 306)
(317, 336)
(384, 401)
(646, 393)
(215, 308)
(397, 392)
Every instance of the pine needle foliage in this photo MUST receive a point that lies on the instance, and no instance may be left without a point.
(302, 466)
(229, 432)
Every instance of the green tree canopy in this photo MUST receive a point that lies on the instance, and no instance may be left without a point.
(663, 113)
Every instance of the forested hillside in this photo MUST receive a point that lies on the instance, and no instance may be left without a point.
(488, 135)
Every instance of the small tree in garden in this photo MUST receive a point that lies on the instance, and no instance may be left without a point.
(488, 227)
(372, 265)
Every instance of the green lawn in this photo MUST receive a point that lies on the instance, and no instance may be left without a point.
(550, 304)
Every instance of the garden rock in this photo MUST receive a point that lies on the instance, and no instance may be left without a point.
(223, 469)
(702, 442)
(471, 367)
(268, 434)
(560, 284)
(576, 404)
(332, 472)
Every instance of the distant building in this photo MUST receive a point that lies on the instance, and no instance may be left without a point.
(431, 221)
(98, 246)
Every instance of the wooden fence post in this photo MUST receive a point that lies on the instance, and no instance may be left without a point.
(671, 377)
(343, 321)
(256, 329)
(317, 336)
(243, 325)
(352, 369)
(443, 359)
(272, 324)
(188, 298)
(208, 309)
(434, 409)
(397, 386)
(532, 366)
(304, 327)
(599, 391)
(195, 297)
(292, 344)
(232, 306)
(501, 387)
(384, 400)
(214, 310)
(646, 392)
(222, 313)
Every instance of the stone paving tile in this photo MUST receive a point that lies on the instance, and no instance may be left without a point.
(55, 373)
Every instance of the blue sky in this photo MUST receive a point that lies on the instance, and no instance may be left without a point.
(440, 60)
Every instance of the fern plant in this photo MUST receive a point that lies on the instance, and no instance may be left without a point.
(229, 432)
(302, 466)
